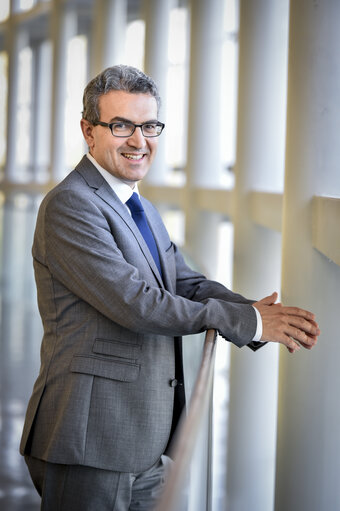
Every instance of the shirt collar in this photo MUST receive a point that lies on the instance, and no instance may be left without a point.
(121, 189)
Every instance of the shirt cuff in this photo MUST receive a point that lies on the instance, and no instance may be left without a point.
(258, 333)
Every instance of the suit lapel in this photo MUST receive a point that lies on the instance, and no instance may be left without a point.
(103, 190)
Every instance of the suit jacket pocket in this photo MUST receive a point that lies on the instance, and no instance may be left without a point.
(111, 369)
(115, 348)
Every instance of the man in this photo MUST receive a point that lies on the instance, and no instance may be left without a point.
(115, 295)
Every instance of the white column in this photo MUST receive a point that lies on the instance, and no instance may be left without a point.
(204, 156)
(108, 36)
(41, 121)
(63, 27)
(17, 40)
(308, 461)
(34, 113)
(257, 250)
(157, 16)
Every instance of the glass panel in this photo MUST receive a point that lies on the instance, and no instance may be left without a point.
(23, 136)
(221, 377)
(197, 486)
(25, 5)
(176, 114)
(20, 333)
(134, 46)
(228, 101)
(75, 83)
(43, 114)
(177, 50)
(174, 220)
(4, 9)
(3, 104)
(176, 126)
(231, 16)
(228, 98)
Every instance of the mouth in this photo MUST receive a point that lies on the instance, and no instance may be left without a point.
(134, 156)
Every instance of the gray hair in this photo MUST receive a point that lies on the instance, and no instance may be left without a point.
(125, 78)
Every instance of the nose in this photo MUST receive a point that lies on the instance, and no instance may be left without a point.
(137, 139)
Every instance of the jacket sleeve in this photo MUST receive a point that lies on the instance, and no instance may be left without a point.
(197, 287)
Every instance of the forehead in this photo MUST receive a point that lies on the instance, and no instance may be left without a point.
(132, 106)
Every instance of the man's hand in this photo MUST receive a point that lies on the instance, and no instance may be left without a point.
(287, 325)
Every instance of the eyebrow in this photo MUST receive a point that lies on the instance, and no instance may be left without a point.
(123, 119)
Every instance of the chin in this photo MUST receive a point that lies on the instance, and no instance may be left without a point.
(136, 176)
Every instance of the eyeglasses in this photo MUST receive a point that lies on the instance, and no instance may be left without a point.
(126, 128)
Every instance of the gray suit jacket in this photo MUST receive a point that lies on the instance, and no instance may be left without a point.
(104, 395)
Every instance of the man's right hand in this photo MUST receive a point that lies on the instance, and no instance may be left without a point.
(290, 326)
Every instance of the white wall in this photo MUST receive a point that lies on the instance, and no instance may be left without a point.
(308, 461)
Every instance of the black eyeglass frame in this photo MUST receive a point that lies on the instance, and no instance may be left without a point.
(110, 124)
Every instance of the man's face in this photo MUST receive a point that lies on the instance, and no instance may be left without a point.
(129, 158)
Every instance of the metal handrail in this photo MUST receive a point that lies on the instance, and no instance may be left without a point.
(188, 429)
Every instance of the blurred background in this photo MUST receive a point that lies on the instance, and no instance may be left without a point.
(247, 180)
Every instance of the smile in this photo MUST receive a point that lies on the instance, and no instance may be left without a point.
(131, 156)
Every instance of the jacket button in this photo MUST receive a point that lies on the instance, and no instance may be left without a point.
(173, 383)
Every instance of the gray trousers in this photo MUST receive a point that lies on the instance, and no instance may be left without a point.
(82, 488)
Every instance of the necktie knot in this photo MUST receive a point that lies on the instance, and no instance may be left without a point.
(135, 204)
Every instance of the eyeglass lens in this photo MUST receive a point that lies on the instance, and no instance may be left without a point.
(125, 129)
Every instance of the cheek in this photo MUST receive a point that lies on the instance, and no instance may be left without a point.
(153, 147)
(109, 151)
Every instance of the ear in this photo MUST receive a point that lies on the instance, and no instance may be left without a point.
(87, 129)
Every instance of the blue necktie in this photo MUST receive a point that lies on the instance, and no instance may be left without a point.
(139, 216)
